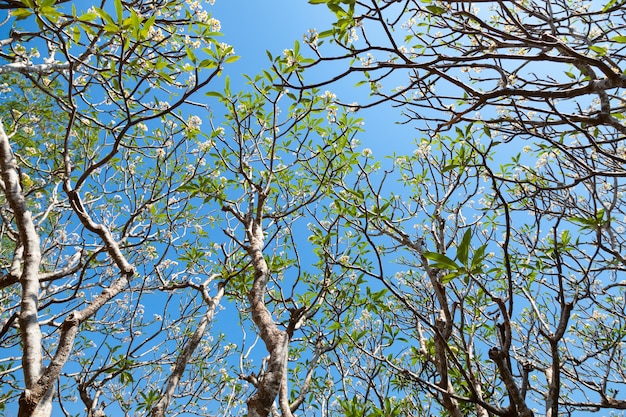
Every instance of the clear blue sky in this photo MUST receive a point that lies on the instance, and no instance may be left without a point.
(254, 26)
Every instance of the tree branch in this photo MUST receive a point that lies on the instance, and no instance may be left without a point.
(183, 359)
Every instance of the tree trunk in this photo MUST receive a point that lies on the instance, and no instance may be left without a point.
(276, 340)
(32, 360)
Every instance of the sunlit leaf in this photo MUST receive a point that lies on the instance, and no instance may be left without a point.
(441, 261)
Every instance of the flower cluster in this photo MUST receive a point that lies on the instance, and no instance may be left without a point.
(310, 38)
(290, 57)
(193, 123)
(423, 149)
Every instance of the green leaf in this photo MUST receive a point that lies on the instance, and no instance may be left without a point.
(135, 22)
(231, 59)
(21, 14)
(449, 277)
(590, 223)
(325, 34)
(478, 260)
(609, 5)
(104, 16)
(208, 63)
(88, 17)
(145, 28)
(111, 28)
(227, 86)
(441, 261)
(190, 55)
(436, 9)
(119, 11)
(296, 48)
(463, 248)
(601, 51)
(76, 34)
(619, 39)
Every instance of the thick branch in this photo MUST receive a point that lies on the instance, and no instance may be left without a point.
(28, 68)
(70, 325)
(517, 401)
(32, 359)
(553, 374)
(276, 340)
(183, 359)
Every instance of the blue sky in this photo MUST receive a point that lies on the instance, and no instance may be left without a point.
(254, 27)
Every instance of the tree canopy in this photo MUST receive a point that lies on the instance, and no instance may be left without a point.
(173, 243)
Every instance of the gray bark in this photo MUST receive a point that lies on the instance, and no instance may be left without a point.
(32, 358)
(183, 359)
(276, 340)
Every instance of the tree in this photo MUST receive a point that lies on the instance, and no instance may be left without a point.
(127, 225)
(92, 165)
(277, 169)
(501, 253)
(173, 246)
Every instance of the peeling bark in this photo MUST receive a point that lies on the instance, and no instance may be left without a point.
(32, 358)
(276, 340)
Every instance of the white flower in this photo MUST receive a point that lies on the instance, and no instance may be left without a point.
(367, 152)
(328, 96)
(311, 37)
(194, 123)
(367, 61)
(353, 36)
(423, 149)
(541, 162)
(228, 48)
(206, 146)
(215, 24)
(155, 35)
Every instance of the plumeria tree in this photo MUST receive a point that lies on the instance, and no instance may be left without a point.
(171, 246)
(130, 218)
(279, 157)
(98, 140)
(497, 245)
